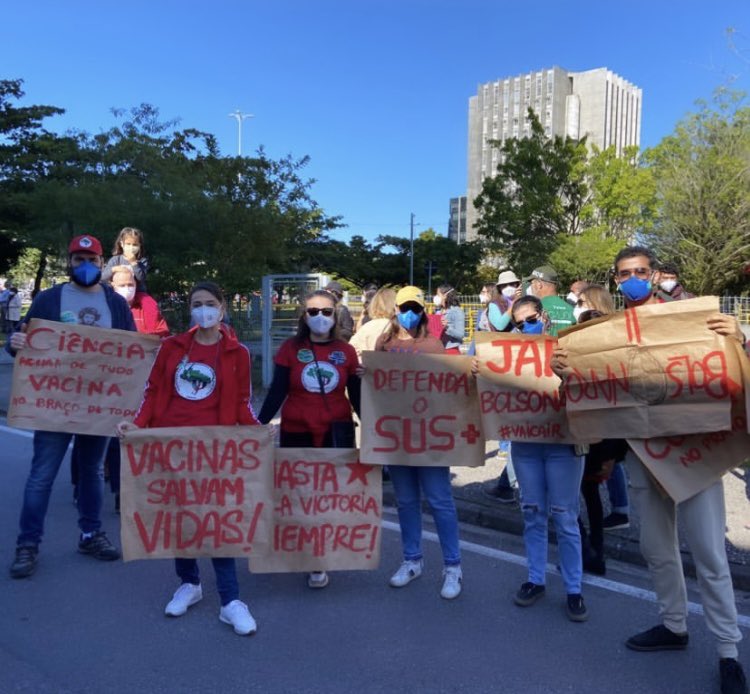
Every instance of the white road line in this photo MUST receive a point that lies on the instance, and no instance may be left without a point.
(605, 583)
(17, 432)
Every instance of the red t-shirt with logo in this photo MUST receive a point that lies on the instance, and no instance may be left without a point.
(197, 389)
(305, 408)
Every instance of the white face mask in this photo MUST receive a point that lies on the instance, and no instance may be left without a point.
(130, 250)
(437, 300)
(205, 316)
(320, 324)
(484, 298)
(529, 291)
(577, 311)
(127, 293)
(509, 292)
(668, 285)
(572, 298)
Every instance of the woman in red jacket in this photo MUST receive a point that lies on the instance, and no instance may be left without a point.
(201, 378)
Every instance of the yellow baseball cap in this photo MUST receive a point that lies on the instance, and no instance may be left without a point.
(407, 294)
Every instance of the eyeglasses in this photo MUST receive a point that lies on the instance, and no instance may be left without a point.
(642, 273)
(404, 308)
(315, 311)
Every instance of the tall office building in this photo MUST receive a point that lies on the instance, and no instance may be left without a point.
(457, 219)
(596, 103)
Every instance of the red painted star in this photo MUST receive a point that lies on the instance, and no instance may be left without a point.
(471, 433)
(358, 471)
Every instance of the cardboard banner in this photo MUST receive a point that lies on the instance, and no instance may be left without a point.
(686, 465)
(655, 370)
(195, 491)
(79, 379)
(420, 409)
(519, 395)
(326, 512)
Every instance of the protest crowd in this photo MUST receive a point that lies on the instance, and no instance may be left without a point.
(324, 386)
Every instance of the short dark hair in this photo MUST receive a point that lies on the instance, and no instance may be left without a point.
(670, 269)
(210, 287)
(636, 251)
(527, 299)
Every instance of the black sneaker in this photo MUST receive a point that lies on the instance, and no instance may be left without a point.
(99, 547)
(528, 594)
(732, 677)
(616, 521)
(576, 608)
(25, 562)
(658, 639)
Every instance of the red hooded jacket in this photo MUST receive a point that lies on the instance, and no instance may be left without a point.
(234, 377)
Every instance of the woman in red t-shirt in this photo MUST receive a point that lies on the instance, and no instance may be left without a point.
(314, 372)
(201, 378)
(408, 333)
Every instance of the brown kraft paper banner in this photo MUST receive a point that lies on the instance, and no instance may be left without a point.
(195, 491)
(519, 395)
(79, 379)
(655, 370)
(686, 465)
(420, 409)
(326, 510)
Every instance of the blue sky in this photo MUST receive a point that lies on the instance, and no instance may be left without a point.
(376, 92)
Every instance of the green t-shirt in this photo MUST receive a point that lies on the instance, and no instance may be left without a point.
(560, 313)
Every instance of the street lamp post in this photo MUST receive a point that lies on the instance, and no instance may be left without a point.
(411, 252)
(239, 116)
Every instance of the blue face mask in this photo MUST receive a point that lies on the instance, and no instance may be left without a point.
(86, 274)
(634, 289)
(409, 319)
(536, 328)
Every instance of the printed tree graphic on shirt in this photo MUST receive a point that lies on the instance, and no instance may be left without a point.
(195, 378)
(325, 375)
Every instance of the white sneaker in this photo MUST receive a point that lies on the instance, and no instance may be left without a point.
(317, 579)
(185, 596)
(406, 573)
(452, 578)
(237, 614)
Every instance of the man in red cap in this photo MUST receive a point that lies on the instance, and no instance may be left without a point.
(82, 301)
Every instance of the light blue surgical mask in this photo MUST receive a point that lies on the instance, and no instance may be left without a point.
(409, 319)
(635, 289)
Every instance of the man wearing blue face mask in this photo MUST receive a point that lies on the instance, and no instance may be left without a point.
(82, 301)
(702, 518)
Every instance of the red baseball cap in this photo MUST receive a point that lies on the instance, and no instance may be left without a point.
(87, 244)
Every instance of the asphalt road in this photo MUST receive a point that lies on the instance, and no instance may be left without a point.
(83, 626)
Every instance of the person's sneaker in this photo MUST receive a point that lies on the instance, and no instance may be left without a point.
(185, 596)
(25, 562)
(317, 579)
(406, 573)
(528, 594)
(452, 578)
(99, 547)
(616, 521)
(732, 677)
(576, 608)
(238, 616)
(658, 638)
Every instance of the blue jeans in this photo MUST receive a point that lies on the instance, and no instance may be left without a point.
(617, 487)
(436, 484)
(49, 450)
(226, 576)
(549, 480)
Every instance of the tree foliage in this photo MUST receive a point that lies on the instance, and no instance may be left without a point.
(232, 219)
(702, 173)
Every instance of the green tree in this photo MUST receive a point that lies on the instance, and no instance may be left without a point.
(535, 198)
(702, 174)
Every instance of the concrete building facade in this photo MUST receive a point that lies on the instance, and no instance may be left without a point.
(596, 103)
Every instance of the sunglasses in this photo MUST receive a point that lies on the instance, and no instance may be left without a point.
(515, 285)
(642, 273)
(404, 308)
(315, 311)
